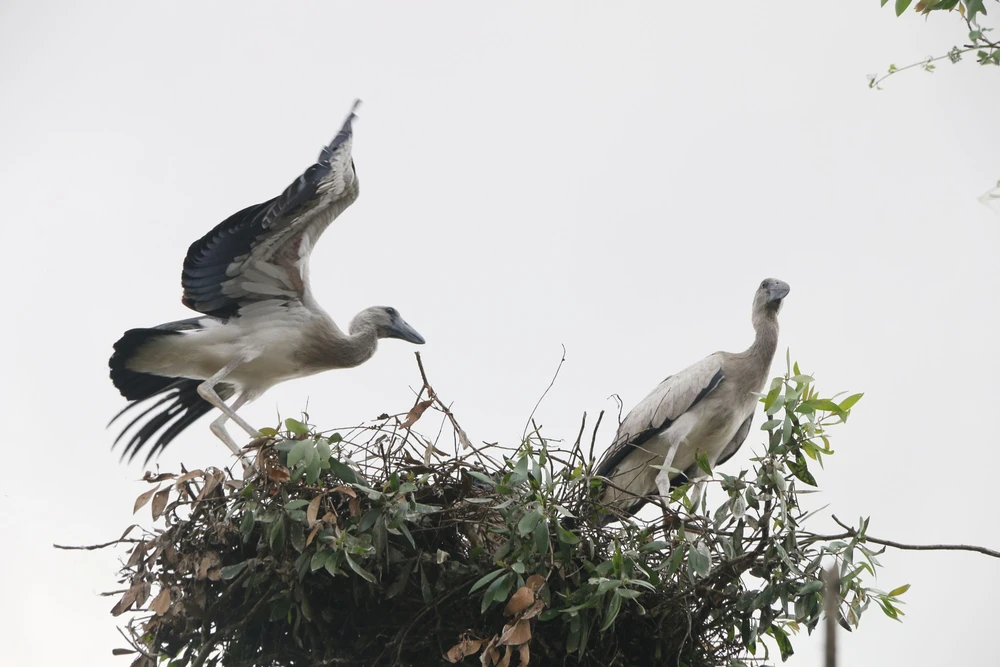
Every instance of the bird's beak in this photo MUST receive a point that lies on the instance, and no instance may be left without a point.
(400, 329)
(777, 292)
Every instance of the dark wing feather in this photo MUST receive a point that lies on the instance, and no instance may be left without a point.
(258, 253)
(673, 397)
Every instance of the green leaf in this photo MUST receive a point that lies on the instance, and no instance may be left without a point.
(296, 504)
(298, 452)
(365, 574)
(268, 432)
(849, 402)
(296, 427)
(901, 6)
(277, 537)
(784, 644)
(700, 559)
(656, 545)
(246, 524)
(896, 592)
(702, 459)
(318, 559)
(497, 591)
(614, 606)
(231, 571)
(312, 468)
(485, 479)
(542, 538)
(486, 579)
(528, 522)
(811, 587)
(883, 2)
(346, 473)
(566, 536)
(800, 469)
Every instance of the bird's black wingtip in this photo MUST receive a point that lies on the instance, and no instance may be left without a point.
(345, 133)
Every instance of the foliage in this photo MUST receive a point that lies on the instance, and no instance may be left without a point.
(378, 548)
(987, 51)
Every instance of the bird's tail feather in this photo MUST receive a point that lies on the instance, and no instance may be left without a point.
(179, 399)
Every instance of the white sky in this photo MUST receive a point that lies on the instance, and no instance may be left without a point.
(617, 179)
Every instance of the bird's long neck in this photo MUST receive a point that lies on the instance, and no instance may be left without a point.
(765, 342)
(335, 349)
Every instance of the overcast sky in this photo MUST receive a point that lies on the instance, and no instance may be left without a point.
(617, 178)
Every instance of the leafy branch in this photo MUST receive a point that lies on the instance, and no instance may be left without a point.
(970, 11)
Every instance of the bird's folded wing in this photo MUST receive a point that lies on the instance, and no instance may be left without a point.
(737, 441)
(664, 405)
(261, 252)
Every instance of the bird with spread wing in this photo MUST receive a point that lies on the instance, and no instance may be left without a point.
(259, 323)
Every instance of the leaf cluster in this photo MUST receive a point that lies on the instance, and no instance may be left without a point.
(358, 550)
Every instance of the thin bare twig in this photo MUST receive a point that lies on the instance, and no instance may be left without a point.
(541, 398)
(852, 532)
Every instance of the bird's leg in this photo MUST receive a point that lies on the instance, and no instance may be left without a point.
(663, 477)
(218, 426)
(207, 391)
(699, 488)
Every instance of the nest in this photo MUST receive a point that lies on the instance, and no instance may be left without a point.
(375, 547)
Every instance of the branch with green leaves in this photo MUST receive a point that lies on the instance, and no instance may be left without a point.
(373, 546)
(971, 12)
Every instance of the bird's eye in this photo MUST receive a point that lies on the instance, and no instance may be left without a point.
(391, 312)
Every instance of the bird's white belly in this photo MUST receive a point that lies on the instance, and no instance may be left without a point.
(269, 345)
(707, 433)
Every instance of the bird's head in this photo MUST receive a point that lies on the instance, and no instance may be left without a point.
(770, 295)
(387, 323)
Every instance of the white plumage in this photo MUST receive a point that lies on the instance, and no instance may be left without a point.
(259, 323)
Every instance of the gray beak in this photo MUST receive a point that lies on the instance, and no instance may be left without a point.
(400, 329)
(778, 291)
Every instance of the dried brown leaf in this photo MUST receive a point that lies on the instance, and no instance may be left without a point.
(143, 595)
(519, 601)
(144, 498)
(534, 610)
(355, 506)
(346, 490)
(516, 633)
(153, 479)
(160, 502)
(126, 600)
(535, 582)
(464, 439)
(524, 655)
(122, 651)
(312, 534)
(313, 510)
(209, 565)
(490, 653)
(413, 415)
(211, 481)
(505, 661)
(137, 553)
(467, 646)
(330, 518)
(161, 603)
(278, 473)
(188, 476)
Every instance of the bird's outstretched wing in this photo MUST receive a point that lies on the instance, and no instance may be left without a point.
(262, 252)
(664, 405)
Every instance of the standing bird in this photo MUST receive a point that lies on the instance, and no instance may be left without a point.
(259, 323)
(705, 409)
